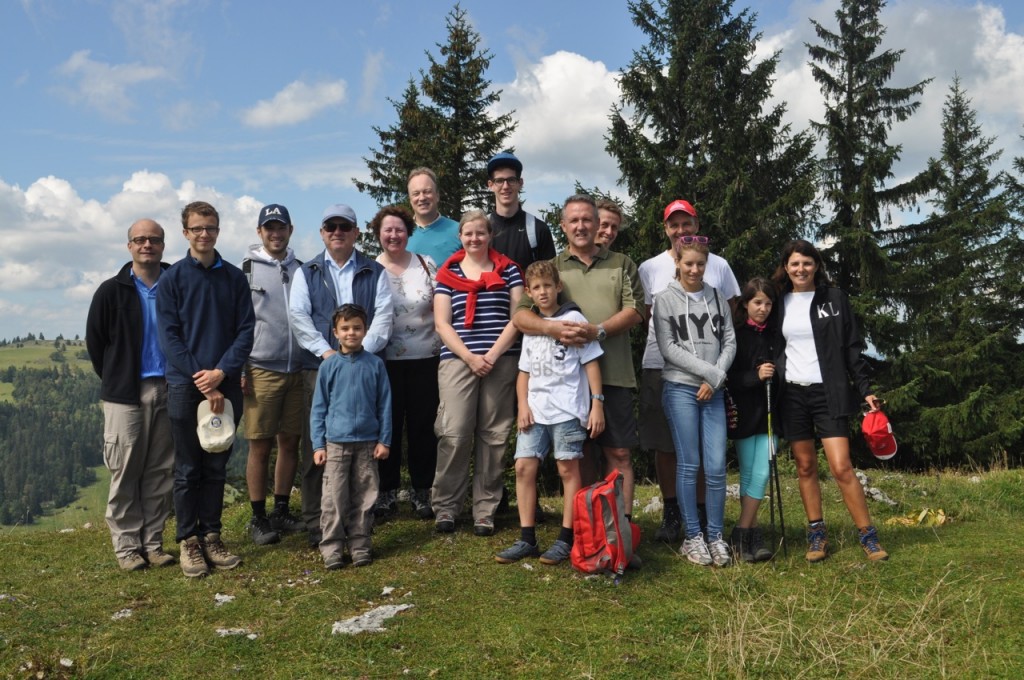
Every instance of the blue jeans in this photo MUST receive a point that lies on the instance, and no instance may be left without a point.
(698, 432)
(198, 475)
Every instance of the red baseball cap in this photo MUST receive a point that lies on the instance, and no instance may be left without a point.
(878, 433)
(677, 205)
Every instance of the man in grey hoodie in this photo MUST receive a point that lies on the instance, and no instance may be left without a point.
(273, 386)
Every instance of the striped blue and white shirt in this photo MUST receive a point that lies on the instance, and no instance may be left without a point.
(491, 316)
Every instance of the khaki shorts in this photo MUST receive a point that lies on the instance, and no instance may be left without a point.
(654, 432)
(277, 404)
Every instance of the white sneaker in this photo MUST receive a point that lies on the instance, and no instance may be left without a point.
(720, 554)
(696, 550)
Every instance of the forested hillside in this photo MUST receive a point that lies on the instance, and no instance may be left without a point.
(49, 438)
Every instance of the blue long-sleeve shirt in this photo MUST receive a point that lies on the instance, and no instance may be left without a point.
(206, 319)
(352, 401)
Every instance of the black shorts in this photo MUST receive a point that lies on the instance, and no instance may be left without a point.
(619, 418)
(805, 413)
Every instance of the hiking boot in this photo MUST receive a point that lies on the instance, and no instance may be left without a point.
(755, 543)
(869, 541)
(216, 554)
(483, 527)
(445, 523)
(158, 558)
(420, 500)
(557, 553)
(131, 562)
(671, 528)
(284, 522)
(721, 555)
(817, 543)
(261, 531)
(740, 541)
(386, 504)
(193, 564)
(334, 562)
(519, 550)
(696, 550)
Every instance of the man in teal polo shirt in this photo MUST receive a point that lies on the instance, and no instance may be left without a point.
(436, 235)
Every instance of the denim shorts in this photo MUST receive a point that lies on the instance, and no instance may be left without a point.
(567, 439)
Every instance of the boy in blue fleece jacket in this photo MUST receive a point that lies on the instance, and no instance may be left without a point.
(350, 428)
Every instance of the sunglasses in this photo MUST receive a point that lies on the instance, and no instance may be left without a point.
(696, 238)
(331, 227)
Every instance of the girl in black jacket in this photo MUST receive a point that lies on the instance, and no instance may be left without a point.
(747, 376)
(819, 353)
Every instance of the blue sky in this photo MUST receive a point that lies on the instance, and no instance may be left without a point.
(120, 109)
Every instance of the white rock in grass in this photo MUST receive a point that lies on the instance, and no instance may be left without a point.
(732, 491)
(230, 632)
(369, 622)
(527, 566)
(66, 662)
(66, 531)
(975, 479)
(653, 506)
(123, 614)
(221, 599)
(387, 591)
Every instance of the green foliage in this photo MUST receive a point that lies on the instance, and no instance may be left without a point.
(452, 132)
(860, 109)
(49, 438)
(694, 123)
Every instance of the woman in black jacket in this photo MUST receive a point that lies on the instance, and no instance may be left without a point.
(819, 354)
(750, 370)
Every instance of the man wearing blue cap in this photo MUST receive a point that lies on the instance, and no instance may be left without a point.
(339, 275)
(272, 385)
(515, 233)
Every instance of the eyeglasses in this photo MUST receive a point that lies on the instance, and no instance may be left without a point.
(196, 231)
(331, 227)
(500, 181)
(143, 240)
(695, 238)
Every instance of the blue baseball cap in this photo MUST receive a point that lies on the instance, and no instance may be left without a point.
(505, 159)
(274, 213)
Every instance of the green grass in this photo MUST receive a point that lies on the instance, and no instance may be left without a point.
(36, 354)
(948, 604)
(88, 508)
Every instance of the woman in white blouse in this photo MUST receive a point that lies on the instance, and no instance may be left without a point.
(411, 358)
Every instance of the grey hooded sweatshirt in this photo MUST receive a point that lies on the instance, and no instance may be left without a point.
(270, 280)
(696, 337)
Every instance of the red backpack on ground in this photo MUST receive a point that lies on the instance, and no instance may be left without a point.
(603, 541)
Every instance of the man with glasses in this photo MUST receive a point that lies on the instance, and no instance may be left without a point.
(206, 333)
(339, 275)
(272, 385)
(516, 233)
(435, 235)
(655, 274)
(121, 336)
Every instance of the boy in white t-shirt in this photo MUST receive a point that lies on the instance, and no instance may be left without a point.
(560, 402)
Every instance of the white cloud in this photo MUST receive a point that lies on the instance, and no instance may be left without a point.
(104, 87)
(296, 103)
(373, 69)
(562, 104)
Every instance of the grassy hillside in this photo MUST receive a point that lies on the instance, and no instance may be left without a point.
(36, 354)
(947, 604)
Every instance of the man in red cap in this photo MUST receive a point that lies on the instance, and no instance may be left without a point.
(655, 275)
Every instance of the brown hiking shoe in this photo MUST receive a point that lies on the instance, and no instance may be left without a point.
(131, 562)
(817, 543)
(869, 541)
(193, 564)
(158, 558)
(217, 555)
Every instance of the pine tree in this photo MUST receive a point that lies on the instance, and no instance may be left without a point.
(699, 129)
(958, 373)
(860, 109)
(451, 132)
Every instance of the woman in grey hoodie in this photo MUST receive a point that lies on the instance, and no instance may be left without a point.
(693, 326)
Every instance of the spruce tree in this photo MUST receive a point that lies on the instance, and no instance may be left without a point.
(693, 123)
(450, 130)
(959, 372)
(860, 109)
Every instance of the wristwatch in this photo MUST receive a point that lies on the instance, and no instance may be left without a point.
(599, 397)
(602, 334)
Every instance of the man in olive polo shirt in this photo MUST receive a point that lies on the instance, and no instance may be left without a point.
(606, 286)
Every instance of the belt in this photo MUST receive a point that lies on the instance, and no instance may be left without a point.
(801, 384)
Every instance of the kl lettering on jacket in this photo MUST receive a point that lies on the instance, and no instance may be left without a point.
(826, 310)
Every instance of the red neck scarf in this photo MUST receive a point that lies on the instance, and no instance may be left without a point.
(488, 280)
(759, 327)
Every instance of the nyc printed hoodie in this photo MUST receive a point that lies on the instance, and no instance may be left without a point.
(696, 337)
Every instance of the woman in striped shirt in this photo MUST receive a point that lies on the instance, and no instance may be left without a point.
(477, 289)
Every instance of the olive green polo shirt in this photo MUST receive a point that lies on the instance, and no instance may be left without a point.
(609, 285)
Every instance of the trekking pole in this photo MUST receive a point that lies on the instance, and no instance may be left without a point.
(773, 471)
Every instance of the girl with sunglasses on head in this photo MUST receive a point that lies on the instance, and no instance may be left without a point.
(693, 327)
(819, 354)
